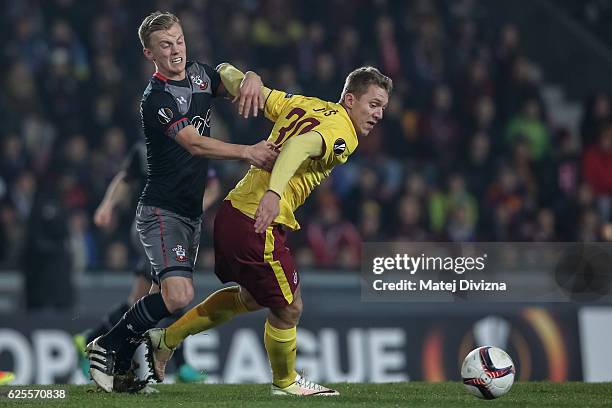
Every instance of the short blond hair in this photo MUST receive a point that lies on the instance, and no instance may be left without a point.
(358, 81)
(156, 21)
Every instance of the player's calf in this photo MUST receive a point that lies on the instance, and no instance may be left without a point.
(288, 316)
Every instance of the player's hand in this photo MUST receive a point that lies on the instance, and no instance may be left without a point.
(103, 215)
(262, 155)
(249, 95)
(267, 211)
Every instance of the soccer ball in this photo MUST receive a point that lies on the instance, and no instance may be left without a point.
(488, 372)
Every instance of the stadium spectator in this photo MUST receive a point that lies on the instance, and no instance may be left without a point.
(411, 224)
(47, 261)
(597, 170)
(329, 235)
(528, 127)
(439, 128)
(370, 222)
(597, 114)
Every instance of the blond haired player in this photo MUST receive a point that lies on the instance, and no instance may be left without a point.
(176, 123)
(250, 228)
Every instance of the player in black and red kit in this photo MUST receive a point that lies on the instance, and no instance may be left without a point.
(128, 183)
(175, 113)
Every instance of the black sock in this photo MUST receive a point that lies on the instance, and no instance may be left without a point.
(179, 356)
(125, 355)
(108, 321)
(142, 316)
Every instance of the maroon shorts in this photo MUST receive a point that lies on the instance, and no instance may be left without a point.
(261, 263)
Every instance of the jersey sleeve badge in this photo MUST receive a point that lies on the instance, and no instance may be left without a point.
(164, 115)
(339, 146)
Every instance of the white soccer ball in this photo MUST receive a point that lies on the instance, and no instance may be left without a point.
(488, 372)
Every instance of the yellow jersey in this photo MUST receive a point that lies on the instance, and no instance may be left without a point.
(294, 115)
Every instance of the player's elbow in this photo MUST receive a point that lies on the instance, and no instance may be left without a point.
(293, 145)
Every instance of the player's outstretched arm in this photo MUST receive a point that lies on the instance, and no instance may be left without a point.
(116, 191)
(247, 89)
(262, 154)
(295, 151)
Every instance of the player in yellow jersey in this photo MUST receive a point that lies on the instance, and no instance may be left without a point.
(250, 229)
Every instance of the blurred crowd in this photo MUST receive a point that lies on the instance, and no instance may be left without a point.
(465, 152)
(595, 15)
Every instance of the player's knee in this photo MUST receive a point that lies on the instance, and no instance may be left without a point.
(178, 301)
(290, 314)
(177, 298)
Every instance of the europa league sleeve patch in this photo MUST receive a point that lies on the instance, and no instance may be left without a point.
(164, 115)
(339, 147)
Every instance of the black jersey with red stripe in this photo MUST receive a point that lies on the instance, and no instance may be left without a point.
(175, 179)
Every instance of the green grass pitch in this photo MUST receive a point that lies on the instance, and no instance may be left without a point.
(410, 394)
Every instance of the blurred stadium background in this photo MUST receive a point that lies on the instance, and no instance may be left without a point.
(499, 129)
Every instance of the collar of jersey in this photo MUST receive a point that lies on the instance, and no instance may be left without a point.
(185, 82)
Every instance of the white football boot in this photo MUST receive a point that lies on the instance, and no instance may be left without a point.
(101, 365)
(303, 387)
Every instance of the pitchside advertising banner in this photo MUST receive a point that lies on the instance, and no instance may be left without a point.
(387, 345)
(423, 307)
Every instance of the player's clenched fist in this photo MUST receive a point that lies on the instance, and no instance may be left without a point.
(103, 215)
